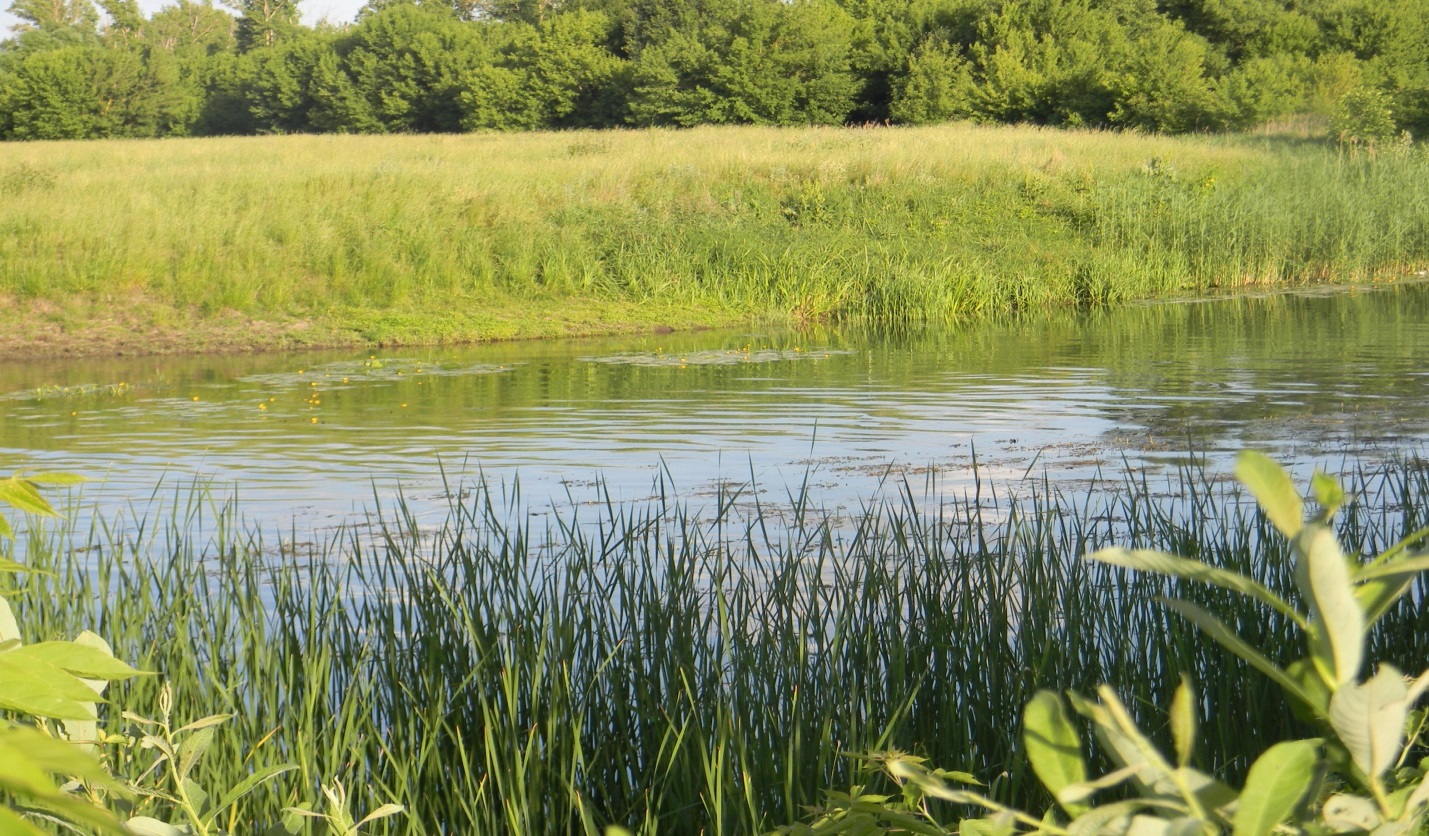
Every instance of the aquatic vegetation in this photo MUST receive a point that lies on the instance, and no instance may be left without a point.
(1352, 774)
(62, 763)
(672, 670)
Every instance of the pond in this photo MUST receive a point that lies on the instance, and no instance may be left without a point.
(1327, 378)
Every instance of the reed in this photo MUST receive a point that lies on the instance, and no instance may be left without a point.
(400, 239)
(672, 668)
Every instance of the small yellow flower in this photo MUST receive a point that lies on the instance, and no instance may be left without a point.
(195, 397)
(315, 420)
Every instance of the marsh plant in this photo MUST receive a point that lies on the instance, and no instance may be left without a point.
(674, 668)
(60, 766)
(1353, 775)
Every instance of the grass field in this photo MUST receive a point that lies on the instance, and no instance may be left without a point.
(678, 669)
(304, 240)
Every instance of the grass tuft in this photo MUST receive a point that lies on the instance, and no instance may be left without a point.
(680, 670)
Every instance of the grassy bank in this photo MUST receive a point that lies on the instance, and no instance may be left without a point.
(310, 240)
(680, 670)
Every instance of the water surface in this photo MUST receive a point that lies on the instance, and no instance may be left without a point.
(1317, 378)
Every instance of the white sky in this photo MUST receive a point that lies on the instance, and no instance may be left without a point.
(338, 11)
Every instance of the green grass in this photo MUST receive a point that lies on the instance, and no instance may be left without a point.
(406, 239)
(681, 669)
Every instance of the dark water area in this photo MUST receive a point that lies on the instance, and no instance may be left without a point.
(1329, 379)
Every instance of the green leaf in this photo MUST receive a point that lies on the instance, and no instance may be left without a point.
(291, 821)
(986, 827)
(78, 659)
(1350, 813)
(1157, 826)
(86, 732)
(1148, 560)
(1073, 794)
(1053, 746)
(1417, 689)
(1278, 780)
(211, 720)
(197, 796)
(28, 759)
(1210, 793)
(958, 775)
(1127, 746)
(1395, 569)
(382, 812)
(1325, 580)
(1183, 721)
(247, 785)
(1108, 818)
(1419, 797)
(1403, 545)
(1369, 719)
(33, 687)
(93, 640)
(5, 530)
(1303, 672)
(8, 565)
(146, 826)
(192, 748)
(1376, 596)
(9, 629)
(12, 823)
(1328, 493)
(1273, 489)
(49, 754)
(25, 496)
(57, 479)
(1223, 635)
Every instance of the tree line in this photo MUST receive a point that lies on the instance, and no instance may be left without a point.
(72, 69)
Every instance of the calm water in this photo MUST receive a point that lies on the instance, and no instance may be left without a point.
(320, 436)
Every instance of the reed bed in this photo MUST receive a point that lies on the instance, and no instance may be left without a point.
(681, 669)
(435, 238)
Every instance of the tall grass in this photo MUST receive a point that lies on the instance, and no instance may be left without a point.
(458, 237)
(675, 669)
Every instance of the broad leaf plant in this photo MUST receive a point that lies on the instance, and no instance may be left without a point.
(1352, 778)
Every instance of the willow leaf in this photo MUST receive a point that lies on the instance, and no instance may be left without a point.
(1149, 560)
(1325, 579)
(1368, 719)
(1278, 780)
(1053, 746)
(1273, 489)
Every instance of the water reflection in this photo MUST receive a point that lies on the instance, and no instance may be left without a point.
(322, 434)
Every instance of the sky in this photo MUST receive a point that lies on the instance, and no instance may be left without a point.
(338, 11)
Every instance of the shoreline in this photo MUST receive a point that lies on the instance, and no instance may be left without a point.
(299, 242)
(35, 332)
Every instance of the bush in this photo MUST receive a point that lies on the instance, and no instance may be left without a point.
(1363, 117)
